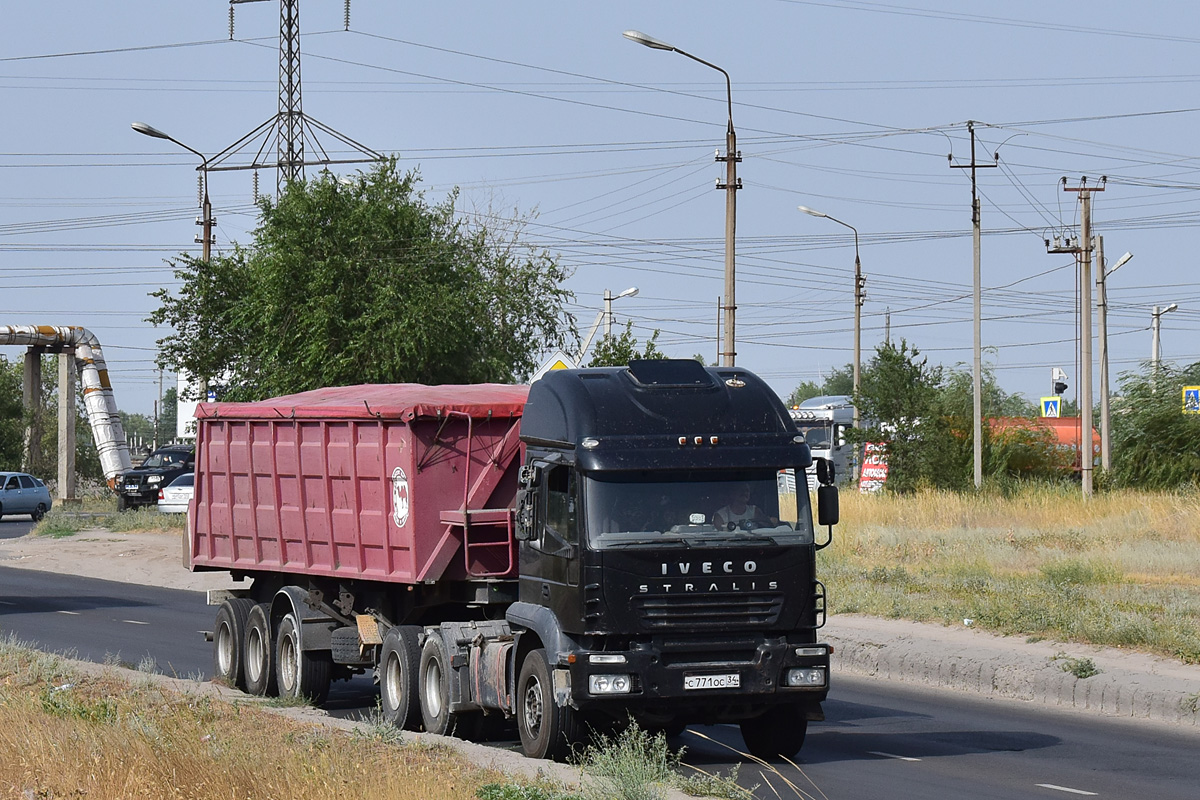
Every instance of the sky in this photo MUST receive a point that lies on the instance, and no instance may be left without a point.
(544, 109)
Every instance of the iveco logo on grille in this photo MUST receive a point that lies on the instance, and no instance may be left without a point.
(709, 568)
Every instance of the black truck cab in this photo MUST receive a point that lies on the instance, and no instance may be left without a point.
(667, 558)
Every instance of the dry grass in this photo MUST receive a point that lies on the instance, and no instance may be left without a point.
(1122, 569)
(66, 735)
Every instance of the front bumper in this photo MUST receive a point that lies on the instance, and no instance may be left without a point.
(661, 676)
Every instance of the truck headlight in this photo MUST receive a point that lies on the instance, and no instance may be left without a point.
(154, 479)
(806, 676)
(609, 684)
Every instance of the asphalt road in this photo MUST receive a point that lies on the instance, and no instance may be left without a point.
(880, 739)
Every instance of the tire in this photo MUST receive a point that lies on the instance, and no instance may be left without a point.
(399, 669)
(258, 652)
(121, 504)
(229, 641)
(547, 730)
(779, 733)
(434, 678)
(38, 512)
(300, 674)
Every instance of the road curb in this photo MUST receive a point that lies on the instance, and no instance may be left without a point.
(1131, 685)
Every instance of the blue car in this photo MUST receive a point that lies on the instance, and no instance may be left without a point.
(23, 494)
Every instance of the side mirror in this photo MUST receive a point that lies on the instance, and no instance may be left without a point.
(827, 505)
(825, 472)
(524, 522)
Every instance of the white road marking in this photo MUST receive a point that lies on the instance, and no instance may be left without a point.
(135, 622)
(72, 613)
(1066, 789)
(891, 755)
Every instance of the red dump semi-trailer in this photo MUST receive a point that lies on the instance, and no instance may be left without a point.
(555, 554)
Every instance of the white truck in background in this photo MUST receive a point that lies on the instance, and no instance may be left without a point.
(824, 421)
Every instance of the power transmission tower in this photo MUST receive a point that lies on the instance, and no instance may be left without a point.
(290, 129)
(978, 302)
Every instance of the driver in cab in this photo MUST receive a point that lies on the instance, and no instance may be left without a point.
(740, 513)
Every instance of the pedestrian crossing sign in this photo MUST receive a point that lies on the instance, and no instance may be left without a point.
(1191, 399)
(1051, 406)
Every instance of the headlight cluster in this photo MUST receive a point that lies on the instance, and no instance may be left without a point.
(806, 676)
(154, 479)
(609, 684)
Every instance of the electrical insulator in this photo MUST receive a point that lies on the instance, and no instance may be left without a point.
(347, 14)
(231, 22)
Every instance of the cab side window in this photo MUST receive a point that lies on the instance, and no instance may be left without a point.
(560, 503)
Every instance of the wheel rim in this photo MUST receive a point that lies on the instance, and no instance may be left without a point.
(392, 682)
(534, 708)
(288, 667)
(254, 654)
(433, 688)
(225, 650)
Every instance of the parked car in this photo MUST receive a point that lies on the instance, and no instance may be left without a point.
(139, 487)
(23, 494)
(173, 498)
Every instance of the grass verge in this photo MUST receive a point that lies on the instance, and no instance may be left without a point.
(67, 734)
(60, 524)
(1122, 569)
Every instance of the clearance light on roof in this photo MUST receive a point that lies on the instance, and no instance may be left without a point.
(590, 444)
(697, 440)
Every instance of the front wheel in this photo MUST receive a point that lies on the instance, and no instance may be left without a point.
(122, 505)
(547, 729)
(300, 674)
(778, 733)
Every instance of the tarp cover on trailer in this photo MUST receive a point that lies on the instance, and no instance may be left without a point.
(402, 401)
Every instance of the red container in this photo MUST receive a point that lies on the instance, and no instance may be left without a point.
(400, 483)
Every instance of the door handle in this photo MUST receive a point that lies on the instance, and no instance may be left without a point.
(545, 590)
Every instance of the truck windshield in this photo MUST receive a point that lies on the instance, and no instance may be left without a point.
(818, 436)
(694, 509)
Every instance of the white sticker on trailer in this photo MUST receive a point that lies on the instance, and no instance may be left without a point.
(400, 503)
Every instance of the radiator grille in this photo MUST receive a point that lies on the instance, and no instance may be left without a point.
(715, 610)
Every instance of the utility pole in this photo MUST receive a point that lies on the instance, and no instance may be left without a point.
(978, 303)
(1083, 254)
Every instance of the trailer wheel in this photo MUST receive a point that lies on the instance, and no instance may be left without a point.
(434, 678)
(300, 673)
(258, 666)
(229, 641)
(778, 733)
(547, 730)
(399, 667)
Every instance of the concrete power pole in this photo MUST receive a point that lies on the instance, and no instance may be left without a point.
(978, 305)
(1083, 254)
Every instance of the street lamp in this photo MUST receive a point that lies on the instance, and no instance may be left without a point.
(859, 297)
(207, 223)
(731, 185)
(1102, 299)
(1155, 323)
(606, 316)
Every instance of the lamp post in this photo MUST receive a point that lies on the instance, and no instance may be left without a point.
(859, 297)
(1102, 299)
(206, 206)
(731, 185)
(1155, 324)
(606, 317)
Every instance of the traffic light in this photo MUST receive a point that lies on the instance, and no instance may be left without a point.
(1059, 387)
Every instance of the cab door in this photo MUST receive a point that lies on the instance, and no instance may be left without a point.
(550, 559)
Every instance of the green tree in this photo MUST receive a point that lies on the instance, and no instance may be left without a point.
(168, 415)
(12, 416)
(14, 419)
(618, 351)
(1153, 441)
(899, 394)
(365, 282)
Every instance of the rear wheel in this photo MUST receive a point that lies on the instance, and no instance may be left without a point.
(435, 680)
(399, 668)
(778, 733)
(547, 730)
(229, 641)
(299, 673)
(39, 512)
(258, 667)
